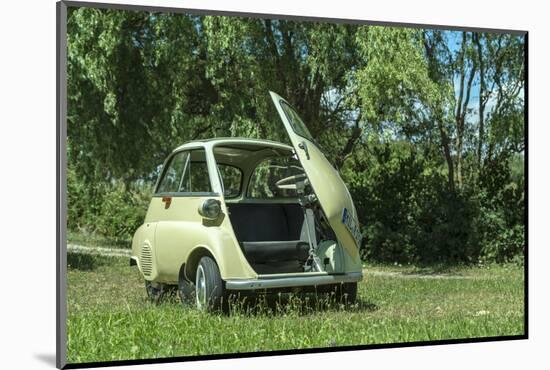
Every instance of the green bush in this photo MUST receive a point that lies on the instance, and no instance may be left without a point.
(447, 232)
(408, 213)
(80, 208)
(121, 212)
(112, 210)
(502, 213)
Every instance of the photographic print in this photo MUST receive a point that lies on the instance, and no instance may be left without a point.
(241, 184)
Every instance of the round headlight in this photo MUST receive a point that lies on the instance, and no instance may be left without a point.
(210, 209)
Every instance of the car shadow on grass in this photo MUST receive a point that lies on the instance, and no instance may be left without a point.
(90, 261)
(83, 262)
(279, 304)
(302, 305)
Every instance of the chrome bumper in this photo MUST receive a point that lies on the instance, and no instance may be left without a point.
(293, 281)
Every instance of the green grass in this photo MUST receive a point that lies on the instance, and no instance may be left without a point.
(111, 319)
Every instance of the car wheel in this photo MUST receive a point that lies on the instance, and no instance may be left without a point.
(155, 291)
(347, 293)
(186, 290)
(209, 289)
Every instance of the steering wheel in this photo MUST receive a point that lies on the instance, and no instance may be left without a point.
(290, 181)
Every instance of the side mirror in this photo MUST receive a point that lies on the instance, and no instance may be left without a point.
(210, 209)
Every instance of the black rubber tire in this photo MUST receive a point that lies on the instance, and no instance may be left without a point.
(347, 293)
(186, 290)
(215, 294)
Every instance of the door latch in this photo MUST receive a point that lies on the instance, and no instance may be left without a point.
(167, 201)
(303, 146)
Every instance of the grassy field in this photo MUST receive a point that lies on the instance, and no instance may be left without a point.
(109, 317)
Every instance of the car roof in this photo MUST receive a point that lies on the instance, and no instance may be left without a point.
(220, 141)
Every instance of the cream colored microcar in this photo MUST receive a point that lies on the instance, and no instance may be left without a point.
(236, 214)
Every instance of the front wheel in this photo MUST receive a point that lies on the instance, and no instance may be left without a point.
(209, 290)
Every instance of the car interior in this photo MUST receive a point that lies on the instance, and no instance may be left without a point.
(268, 222)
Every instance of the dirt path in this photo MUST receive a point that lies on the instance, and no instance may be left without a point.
(104, 251)
(413, 275)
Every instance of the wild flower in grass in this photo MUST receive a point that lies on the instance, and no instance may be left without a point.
(481, 313)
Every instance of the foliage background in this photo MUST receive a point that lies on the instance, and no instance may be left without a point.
(425, 126)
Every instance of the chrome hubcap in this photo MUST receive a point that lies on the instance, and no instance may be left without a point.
(200, 288)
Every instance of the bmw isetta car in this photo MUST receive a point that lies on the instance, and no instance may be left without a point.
(236, 214)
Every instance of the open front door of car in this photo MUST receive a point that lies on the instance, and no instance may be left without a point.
(326, 182)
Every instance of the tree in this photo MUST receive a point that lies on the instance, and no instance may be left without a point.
(423, 124)
(490, 64)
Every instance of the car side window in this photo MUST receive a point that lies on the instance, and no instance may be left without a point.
(171, 180)
(196, 178)
(263, 181)
(231, 179)
(187, 172)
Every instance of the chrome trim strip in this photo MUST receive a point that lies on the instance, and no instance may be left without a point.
(285, 282)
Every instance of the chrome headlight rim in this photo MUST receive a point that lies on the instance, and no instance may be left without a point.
(210, 209)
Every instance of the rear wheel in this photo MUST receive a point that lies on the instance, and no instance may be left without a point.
(209, 290)
(346, 293)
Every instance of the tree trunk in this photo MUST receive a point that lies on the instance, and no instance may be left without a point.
(462, 106)
(437, 76)
(447, 153)
(482, 100)
(350, 144)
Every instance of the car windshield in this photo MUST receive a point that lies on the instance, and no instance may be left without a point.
(263, 181)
